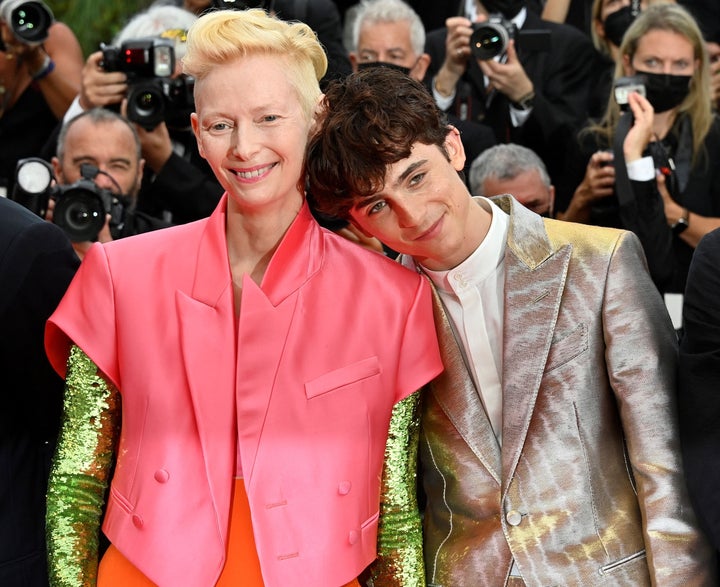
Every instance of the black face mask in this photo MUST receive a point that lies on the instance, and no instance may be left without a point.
(617, 23)
(369, 64)
(665, 91)
(508, 8)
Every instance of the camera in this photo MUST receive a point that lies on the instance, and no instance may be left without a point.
(152, 95)
(80, 208)
(28, 21)
(624, 86)
(490, 39)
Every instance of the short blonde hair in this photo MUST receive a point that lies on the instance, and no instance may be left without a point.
(222, 36)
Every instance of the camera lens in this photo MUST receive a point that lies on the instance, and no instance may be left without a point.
(146, 104)
(488, 41)
(80, 214)
(30, 21)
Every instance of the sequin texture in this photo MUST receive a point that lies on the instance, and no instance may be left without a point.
(400, 557)
(79, 475)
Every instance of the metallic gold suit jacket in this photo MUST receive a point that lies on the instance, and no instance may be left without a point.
(588, 487)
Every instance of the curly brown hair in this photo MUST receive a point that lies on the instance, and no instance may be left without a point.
(372, 119)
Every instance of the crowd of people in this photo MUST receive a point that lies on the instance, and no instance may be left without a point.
(201, 394)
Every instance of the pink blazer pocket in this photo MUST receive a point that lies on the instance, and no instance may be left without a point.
(342, 377)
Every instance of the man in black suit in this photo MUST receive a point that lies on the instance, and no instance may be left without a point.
(36, 266)
(699, 384)
(533, 97)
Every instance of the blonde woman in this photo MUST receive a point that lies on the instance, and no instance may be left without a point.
(238, 372)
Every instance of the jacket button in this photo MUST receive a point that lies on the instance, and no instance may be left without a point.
(162, 476)
(513, 518)
(344, 487)
(353, 537)
(137, 521)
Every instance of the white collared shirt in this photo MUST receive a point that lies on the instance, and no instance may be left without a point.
(473, 296)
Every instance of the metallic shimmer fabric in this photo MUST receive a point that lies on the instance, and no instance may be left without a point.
(79, 476)
(400, 560)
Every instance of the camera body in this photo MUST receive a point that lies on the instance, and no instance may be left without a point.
(490, 39)
(80, 208)
(29, 20)
(624, 86)
(153, 95)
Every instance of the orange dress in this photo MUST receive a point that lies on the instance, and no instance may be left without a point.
(242, 566)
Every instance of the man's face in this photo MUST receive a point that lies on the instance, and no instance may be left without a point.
(528, 189)
(424, 208)
(389, 42)
(109, 146)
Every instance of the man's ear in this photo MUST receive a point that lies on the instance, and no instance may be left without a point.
(420, 68)
(353, 60)
(455, 148)
(57, 170)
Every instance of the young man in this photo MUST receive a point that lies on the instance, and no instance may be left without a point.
(549, 445)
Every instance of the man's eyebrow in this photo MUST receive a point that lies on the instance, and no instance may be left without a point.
(409, 171)
(362, 202)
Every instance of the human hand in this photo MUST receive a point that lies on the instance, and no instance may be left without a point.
(599, 180)
(457, 44)
(508, 78)
(641, 131)
(100, 87)
(714, 55)
(156, 145)
(673, 210)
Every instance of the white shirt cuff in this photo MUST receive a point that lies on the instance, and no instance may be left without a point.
(642, 169)
(443, 102)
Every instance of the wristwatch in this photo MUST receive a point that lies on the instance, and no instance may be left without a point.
(682, 223)
(526, 102)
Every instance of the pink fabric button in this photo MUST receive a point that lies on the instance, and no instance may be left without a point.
(353, 536)
(344, 487)
(162, 476)
(137, 521)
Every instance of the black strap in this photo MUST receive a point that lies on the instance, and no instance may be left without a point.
(623, 189)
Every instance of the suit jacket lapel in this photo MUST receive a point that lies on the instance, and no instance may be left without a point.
(207, 342)
(455, 391)
(534, 281)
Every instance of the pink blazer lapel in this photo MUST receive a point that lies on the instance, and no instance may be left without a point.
(207, 343)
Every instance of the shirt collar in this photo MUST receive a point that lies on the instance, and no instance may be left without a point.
(484, 260)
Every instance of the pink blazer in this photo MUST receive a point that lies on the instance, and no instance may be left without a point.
(322, 350)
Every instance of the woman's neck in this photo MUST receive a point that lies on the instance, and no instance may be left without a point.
(253, 238)
(662, 123)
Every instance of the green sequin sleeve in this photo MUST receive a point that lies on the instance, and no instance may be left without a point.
(80, 471)
(400, 556)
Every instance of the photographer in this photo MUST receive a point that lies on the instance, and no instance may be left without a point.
(535, 94)
(40, 69)
(656, 171)
(178, 185)
(116, 166)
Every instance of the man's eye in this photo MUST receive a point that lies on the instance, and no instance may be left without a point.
(376, 207)
(417, 178)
